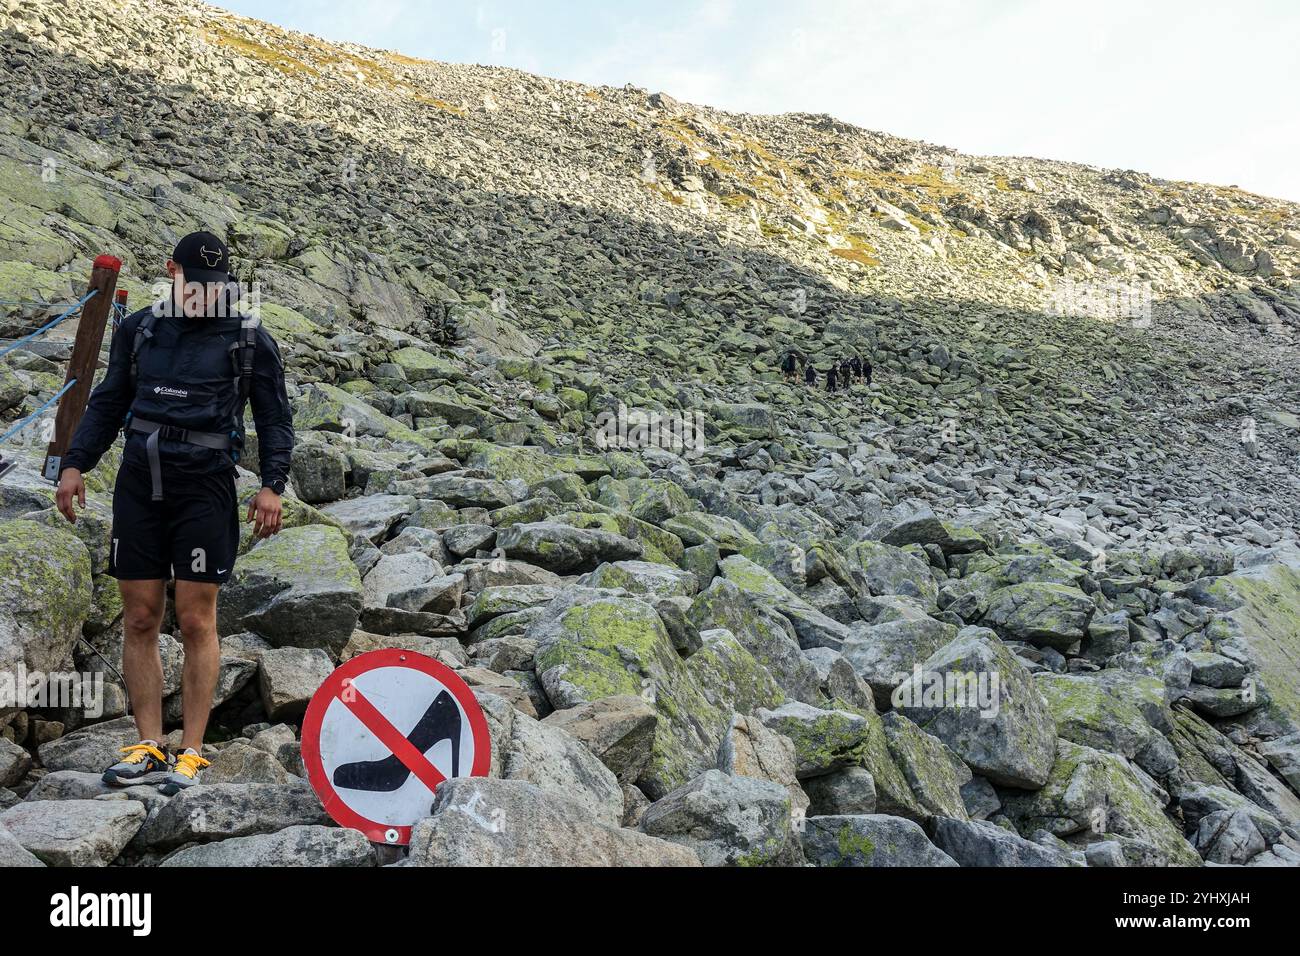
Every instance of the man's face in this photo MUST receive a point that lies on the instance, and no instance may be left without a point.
(195, 299)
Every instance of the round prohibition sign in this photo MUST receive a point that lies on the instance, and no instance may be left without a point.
(380, 735)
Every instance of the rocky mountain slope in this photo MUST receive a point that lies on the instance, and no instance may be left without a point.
(1073, 474)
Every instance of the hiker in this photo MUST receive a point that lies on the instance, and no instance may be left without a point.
(787, 366)
(855, 366)
(179, 374)
(810, 375)
(866, 372)
(830, 379)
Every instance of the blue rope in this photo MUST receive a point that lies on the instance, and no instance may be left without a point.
(48, 325)
(26, 421)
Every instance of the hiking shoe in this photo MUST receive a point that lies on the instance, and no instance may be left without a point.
(144, 763)
(185, 773)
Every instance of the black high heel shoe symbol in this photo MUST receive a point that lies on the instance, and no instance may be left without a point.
(440, 722)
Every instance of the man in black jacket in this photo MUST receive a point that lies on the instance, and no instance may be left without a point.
(179, 374)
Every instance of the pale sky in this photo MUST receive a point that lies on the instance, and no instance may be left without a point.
(1180, 89)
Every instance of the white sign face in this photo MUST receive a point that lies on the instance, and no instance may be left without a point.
(382, 732)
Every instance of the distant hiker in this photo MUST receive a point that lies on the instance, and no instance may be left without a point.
(846, 373)
(788, 366)
(179, 375)
(831, 381)
(810, 375)
(866, 372)
(855, 366)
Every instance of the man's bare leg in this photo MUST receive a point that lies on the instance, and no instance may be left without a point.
(196, 611)
(142, 611)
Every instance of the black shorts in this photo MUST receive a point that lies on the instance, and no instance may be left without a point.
(192, 534)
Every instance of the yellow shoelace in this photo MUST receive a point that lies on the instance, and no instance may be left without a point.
(138, 752)
(190, 764)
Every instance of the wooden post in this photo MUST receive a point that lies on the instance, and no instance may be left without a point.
(85, 359)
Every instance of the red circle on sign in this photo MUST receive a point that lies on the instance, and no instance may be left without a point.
(334, 804)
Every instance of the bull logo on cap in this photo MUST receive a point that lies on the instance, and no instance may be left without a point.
(215, 257)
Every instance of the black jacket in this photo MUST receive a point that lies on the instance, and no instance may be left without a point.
(186, 378)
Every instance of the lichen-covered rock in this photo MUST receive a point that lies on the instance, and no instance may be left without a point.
(824, 740)
(479, 821)
(847, 792)
(933, 772)
(460, 491)
(644, 577)
(287, 677)
(890, 570)
(558, 762)
(74, 832)
(394, 573)
(89, 748)
(1283, 755)
(45, 577)
(698, 527)
(563, 548)
(592, 645)
(371, 516)
(925, 528)
(729, 676)
(238, 762)
(222, 810)
(871, 840)
(319, 472)
(767, 635)
(619, 730)
(750, 749)
(979, 843)
(328, 408)
(1088, 713)
(727, 820)
(1049, 615)
(813, 628)
(298, 589)
(838, 679)
(1262, 609)
(494, 601)
(305, 845)
(1092, 793)
(657, 500)
(884, 655)
(975, 696)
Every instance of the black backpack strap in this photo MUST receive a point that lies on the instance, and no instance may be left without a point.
(143, 332)
(243, 351)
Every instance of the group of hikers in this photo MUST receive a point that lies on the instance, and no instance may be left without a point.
(840, 376)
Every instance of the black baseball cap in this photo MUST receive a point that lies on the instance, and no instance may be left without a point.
(203, 257)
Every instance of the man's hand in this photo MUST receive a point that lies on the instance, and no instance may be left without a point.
(70, 486)
(264, 512)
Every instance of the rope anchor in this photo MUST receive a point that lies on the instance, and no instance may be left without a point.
(94, 307)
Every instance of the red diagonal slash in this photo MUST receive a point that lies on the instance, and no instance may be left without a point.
(392, 738)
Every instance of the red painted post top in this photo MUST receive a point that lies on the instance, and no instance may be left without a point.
(108, 262)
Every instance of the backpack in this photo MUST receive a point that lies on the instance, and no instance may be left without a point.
(242, 351)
